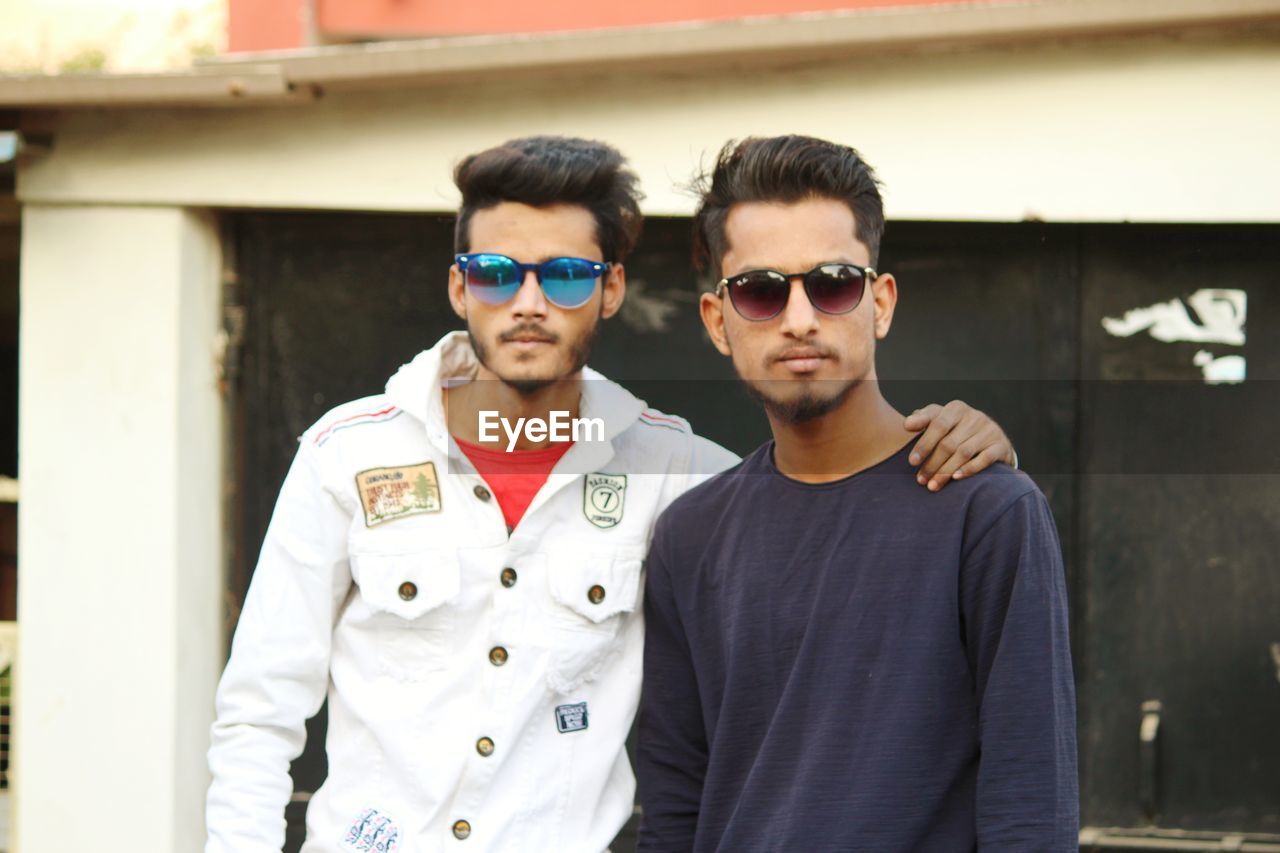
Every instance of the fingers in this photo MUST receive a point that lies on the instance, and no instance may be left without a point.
(965, 459)
(996, 447)
(921, 418)
(961, 444)
(984, 460)
(939, 419)
(958, 441)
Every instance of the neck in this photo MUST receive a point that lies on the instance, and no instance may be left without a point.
(863, 431)
(488, 393)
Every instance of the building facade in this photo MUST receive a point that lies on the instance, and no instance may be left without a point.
(1049, 166)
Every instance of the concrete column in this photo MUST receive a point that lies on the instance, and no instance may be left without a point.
(119, 544)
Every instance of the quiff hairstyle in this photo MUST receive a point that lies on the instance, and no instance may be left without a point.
(784, 169)
(544, 170)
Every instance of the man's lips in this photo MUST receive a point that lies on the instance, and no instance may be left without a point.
(528, 345)
(802, 359)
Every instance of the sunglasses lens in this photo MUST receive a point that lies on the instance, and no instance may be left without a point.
(835, 288)
(568, 282)
(493, 279)
(759, 294)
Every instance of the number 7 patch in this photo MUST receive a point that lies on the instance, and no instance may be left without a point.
(603, 496)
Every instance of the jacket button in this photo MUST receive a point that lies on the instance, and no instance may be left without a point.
(461, 830)
(508, 577)
(596, 594)
(497, 655)
(408, 590)
(484, 746)
(482, 493)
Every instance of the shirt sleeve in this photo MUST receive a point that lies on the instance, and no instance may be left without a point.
(671, 753)
(1014, 609)
(278, 672)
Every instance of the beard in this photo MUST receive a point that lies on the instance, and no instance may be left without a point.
(810, 404)
(579, 350)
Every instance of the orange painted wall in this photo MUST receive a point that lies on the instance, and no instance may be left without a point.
(439, 17)
(263, 24)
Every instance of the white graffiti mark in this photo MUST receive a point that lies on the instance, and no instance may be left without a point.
(648, 311)
(1221, 312)
(1224, 370)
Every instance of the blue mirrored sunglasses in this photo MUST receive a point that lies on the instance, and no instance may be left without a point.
(495, 279)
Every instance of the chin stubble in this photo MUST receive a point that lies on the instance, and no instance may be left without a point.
(579, 352)
(806, 406)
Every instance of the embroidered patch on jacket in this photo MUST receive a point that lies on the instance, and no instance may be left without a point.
(571, 718)
(602, 498)
(373, 832)
(391, 493)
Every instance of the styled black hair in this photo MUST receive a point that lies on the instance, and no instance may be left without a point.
(783, 169)
(545, 170)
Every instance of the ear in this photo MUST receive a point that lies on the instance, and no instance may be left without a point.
(711, 307)
(457, 292)
(884, 290)
(614, 290)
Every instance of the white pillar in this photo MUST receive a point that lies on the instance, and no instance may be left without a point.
(119, 542)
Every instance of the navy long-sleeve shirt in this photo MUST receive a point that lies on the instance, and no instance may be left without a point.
(857, 665)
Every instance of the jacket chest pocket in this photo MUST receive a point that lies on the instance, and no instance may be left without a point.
(404, 609)
(591, 595)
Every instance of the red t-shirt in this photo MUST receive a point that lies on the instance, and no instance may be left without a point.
(514, 477)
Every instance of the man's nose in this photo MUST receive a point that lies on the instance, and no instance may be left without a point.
(529, 300)
(799, 317)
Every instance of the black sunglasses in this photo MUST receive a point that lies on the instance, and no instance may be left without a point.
(834, 288)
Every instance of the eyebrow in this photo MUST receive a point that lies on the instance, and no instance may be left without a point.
(837, 260)
(540, 259)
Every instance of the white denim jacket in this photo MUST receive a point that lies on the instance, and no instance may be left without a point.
(481, 684)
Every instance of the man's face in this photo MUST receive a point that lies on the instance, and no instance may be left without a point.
(802, 363)
(528, 342)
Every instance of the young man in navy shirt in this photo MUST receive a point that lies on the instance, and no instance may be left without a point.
(836, 659)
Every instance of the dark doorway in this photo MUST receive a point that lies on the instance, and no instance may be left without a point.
(10, 246)
(1166, 489)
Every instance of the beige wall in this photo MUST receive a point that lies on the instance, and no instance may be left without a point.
(119, 529)
(1155, 130)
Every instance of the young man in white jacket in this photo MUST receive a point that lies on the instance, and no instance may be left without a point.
(469, 607)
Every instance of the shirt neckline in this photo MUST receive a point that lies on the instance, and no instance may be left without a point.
(766, 459)
(497, 455)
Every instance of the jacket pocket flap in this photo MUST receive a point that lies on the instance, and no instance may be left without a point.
(407, 585)
(595, 586)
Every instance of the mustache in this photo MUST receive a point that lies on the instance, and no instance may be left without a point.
(802, 351)
(528, 330)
